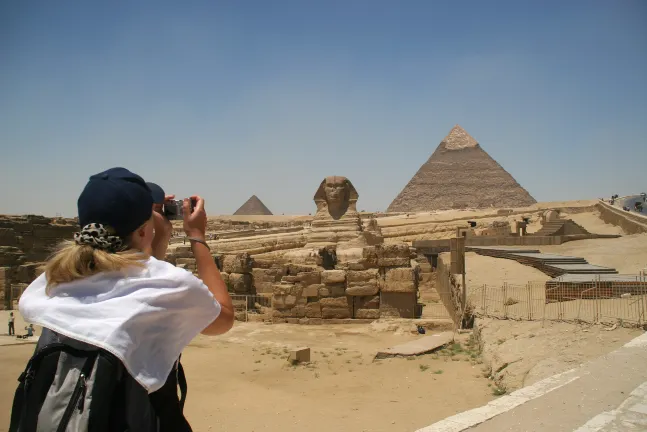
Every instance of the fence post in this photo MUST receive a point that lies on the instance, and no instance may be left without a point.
(505, 300)
(484, 303)
(528, 288)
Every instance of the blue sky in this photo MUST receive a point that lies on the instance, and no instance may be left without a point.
(232, 98)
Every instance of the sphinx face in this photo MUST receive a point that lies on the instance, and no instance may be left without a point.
(336, 189)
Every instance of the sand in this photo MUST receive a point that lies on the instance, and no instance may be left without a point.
(524, 352)
(627, 254)
(480, 270)
(242, 381)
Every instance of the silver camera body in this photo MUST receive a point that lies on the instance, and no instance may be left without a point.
(174, 210)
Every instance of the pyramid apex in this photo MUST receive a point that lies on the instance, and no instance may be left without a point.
(253, 206)
(458, 139)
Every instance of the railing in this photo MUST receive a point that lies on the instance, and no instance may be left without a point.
(621, 301)
(246, 306)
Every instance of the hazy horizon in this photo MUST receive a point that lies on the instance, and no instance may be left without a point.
(233, 99)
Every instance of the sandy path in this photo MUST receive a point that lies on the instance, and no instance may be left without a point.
(242, 382)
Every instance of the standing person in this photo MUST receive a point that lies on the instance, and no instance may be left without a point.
(12, 324)
(121, 316)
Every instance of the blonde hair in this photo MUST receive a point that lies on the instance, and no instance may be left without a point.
(72, 261)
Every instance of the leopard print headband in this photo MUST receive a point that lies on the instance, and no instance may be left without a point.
(99, 237)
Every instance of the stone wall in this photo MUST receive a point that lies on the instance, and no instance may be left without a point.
(449, 288)
(384, 283)
(631, 223)
(25, 242)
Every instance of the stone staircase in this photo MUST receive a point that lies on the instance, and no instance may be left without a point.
(560, 228)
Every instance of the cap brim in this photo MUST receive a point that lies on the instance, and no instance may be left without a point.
(156, 192)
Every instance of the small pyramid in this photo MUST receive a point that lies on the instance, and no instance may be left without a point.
(460, 174)
(253, 207)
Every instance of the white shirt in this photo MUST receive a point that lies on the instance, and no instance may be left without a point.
(145, 317)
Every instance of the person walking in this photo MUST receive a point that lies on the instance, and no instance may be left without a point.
(120, 315)
(12, 324)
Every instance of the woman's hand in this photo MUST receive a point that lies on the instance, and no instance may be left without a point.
(195, 224)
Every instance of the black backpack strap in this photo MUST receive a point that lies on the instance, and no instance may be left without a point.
(181, 382)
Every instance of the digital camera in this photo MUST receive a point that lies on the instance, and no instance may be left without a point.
(173, 209)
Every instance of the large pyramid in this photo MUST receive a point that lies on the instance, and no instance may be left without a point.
(460, 174)
(253, 207)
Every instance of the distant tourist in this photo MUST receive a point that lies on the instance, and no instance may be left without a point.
(12, 325)
(30, 332)
(121, 315)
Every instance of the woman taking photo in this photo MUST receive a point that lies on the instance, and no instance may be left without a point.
(116, 318)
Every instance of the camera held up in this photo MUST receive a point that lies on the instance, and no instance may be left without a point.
(173, 209)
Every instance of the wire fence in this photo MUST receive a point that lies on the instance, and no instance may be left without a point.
(620, 301)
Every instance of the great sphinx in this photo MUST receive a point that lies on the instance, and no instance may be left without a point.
(336, 219)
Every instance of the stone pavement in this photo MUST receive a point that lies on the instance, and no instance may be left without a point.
(606, 394)
(631, 415)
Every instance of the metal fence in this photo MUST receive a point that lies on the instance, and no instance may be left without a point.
(246, 306)
(621, 301)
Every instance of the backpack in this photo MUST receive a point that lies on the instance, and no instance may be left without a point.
(69, 385)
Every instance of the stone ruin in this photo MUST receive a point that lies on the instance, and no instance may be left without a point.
(344, 271)
(25, 242)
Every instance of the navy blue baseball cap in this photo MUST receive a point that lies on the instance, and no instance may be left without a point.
(157, 192)
(117, 198)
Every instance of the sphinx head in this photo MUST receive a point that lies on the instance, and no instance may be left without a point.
(336, 195)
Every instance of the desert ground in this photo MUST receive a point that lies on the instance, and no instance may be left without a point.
(243, 382)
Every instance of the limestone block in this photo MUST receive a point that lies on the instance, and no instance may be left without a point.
(362, 290)
(8, 237)
(183, 252)
(240, 283)
(294, 269)
(369, 257)
(240, 316)
(333, 277)
(313, 310)
(361, 277)
(400, 280)
(337, 290)
(289, 279)
(287, 289)
(299, 311)
(187, 261)
(335, 302)
(309, 278)
(391, 255)
(225, 277)
(312, 290)
(299, 355)
(283, 313)
(367, 313)
(284, 301)
(324, 291)
(368, 302)
(26, 273)
(335, 313)
(263, 279)
(238, 263)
